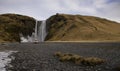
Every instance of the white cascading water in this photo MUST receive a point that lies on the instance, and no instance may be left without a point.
(40, 31)
(39, 34)
(36, 33)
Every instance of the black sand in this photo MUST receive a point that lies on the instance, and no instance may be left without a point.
(39, 57)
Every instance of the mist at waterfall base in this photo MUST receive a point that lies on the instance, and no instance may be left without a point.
(38, 35)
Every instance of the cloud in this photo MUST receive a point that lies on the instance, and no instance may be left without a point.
(42, 9)
(108, 9)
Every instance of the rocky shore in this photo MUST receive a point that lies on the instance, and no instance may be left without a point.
(39, 57)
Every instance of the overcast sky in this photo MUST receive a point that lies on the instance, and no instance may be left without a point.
(42, 9)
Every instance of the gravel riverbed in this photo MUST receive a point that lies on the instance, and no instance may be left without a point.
(39, 57)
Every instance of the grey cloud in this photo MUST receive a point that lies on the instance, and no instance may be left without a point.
(42, 9)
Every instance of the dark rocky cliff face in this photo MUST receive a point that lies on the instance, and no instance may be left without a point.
(11, 25)
(64, 27)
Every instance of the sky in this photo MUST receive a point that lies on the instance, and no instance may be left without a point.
(43, 9)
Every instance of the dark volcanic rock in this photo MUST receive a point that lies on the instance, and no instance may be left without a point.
(40, 57)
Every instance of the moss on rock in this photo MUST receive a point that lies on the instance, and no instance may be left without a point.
(11, 25)
(77, 59)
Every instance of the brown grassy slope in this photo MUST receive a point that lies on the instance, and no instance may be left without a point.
(11, 25)
(63, 27)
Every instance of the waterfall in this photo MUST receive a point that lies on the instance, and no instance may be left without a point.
(38, 35)
(40, 31)
(36, 29)
(43, 30)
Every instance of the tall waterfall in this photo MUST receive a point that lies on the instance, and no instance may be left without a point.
(36, 29)
(38, 35)
(40, 31)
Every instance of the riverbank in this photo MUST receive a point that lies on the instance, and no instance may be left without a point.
(40, 56)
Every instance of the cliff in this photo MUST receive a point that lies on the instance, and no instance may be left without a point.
(11, 25)
(65, 27)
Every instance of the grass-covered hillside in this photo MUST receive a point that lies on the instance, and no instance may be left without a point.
(64, 27)
(11, 25)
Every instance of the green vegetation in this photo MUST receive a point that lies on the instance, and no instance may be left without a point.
(64, 27)
(11, 25)
(79, 59)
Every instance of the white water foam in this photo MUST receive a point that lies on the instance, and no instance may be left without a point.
(4, 59)
(28, 38)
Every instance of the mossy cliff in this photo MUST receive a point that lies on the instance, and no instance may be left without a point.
(64, 27)
(60, 27)
(11, 25)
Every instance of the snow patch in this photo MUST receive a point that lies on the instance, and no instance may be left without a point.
(4, 59)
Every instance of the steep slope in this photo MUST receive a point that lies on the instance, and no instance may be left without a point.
(11, 25)
(64, 27)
